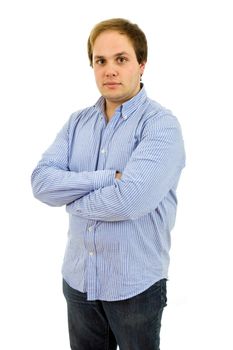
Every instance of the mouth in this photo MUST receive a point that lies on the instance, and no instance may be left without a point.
(111, 84)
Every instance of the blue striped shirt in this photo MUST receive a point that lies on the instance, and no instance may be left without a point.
(119, 229)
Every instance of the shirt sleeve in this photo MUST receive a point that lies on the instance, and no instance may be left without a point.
(52, 181)
(153, 170)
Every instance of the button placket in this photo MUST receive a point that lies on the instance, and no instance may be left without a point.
(90, 240)
(91, 261)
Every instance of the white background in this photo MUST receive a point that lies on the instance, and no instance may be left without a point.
(45, 76)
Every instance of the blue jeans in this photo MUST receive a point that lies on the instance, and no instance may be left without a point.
(133, 324)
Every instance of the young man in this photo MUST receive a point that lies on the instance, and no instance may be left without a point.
(115, 166)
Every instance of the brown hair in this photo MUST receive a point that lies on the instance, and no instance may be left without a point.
(123, 26)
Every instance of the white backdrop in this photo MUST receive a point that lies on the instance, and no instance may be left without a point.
(45, 76)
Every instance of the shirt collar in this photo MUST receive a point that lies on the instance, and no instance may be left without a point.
(128, 107)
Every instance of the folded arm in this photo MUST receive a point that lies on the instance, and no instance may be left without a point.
(54, 184)
(152, 171)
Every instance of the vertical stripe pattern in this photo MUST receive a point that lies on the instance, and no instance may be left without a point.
(119, 230)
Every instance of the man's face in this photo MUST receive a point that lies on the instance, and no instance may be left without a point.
(117, 71)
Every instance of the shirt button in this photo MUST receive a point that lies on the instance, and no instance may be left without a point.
(91, 253)
(91, 228)
(103, 151)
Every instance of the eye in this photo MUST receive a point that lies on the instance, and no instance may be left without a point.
(100, 61)
(121, 59)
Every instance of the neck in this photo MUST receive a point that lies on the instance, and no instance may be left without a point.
(110, 110)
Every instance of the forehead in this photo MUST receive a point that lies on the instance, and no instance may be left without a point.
(110, 42)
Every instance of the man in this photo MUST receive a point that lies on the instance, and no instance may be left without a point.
(115, 166)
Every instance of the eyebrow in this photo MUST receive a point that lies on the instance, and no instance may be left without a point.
(123, 53)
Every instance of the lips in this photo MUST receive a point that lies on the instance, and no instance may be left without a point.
(111, 84)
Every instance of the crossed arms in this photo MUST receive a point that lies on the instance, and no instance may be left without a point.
(151, 172)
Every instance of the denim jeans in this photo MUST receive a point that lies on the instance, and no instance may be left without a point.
(133, 324)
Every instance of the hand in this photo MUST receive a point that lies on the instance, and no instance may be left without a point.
(118, 175)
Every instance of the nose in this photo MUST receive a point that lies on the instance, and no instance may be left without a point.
(111, 74)
(111, 71)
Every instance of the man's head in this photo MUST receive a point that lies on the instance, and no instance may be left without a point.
(117, 51)
(125, 27)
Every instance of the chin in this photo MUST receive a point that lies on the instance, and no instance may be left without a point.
(114, 98)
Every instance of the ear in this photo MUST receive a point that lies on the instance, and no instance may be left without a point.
(142, 67)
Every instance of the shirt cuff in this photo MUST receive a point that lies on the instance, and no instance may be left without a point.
(103, 178)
